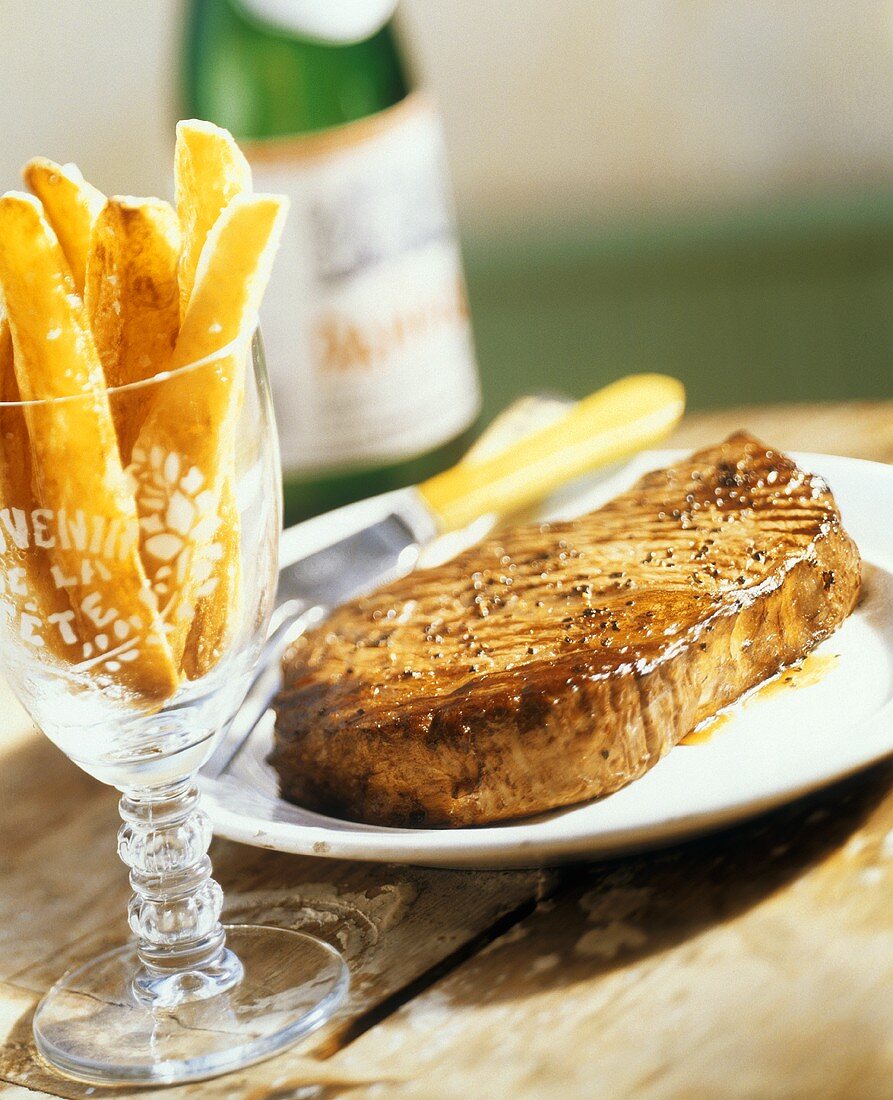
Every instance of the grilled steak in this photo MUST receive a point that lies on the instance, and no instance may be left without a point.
(557, 662)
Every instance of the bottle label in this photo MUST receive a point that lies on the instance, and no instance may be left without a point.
(365, 322)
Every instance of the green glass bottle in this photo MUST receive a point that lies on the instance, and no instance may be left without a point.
(365, 322)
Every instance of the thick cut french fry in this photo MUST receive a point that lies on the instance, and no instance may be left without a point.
(90, 519)
(209, 171)
(71, 205)
(189, 429)
(216, 611)
(38, 609)
(132, 301)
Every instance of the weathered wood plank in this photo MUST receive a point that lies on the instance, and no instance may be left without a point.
(26, 813)
(18, 1092)
(754, 963)
(861, 429)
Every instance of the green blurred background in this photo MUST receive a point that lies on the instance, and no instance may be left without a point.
(781, 301)
(699, 188)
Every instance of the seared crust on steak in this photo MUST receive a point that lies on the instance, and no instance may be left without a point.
(555, 663)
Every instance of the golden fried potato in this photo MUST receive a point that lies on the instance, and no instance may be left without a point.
(41, 610)
(132, 301)
(71, 205)
(86, 497)
(209, 171)
(216, 610)
(191, 421)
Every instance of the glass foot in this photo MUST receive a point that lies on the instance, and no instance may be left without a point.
(92, 1027)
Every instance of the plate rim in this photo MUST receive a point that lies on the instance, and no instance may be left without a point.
(516, 844)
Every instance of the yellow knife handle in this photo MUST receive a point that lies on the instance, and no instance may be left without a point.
(610, 424)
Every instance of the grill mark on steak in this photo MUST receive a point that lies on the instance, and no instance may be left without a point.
(557, 662)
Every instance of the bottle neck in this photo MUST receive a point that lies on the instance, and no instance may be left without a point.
(328, 22)
(261, 83)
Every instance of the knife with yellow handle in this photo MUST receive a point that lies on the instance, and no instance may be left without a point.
(521, 459)
(611, 424)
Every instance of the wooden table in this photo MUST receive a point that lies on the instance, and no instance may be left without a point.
(756, 962)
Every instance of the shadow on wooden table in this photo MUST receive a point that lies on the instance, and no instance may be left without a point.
(614, 914)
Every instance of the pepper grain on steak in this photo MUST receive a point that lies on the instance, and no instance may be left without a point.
(554, 663)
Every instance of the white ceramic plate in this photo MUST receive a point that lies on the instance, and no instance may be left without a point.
(775, 746)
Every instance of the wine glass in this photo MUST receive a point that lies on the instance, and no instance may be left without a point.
(130, 637)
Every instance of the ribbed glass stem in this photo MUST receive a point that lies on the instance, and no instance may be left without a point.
(175, 907)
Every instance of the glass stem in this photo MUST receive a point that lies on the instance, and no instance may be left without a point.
(175, 907)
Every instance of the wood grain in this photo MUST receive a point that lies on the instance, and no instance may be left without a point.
(860, 429)
(756, 962)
